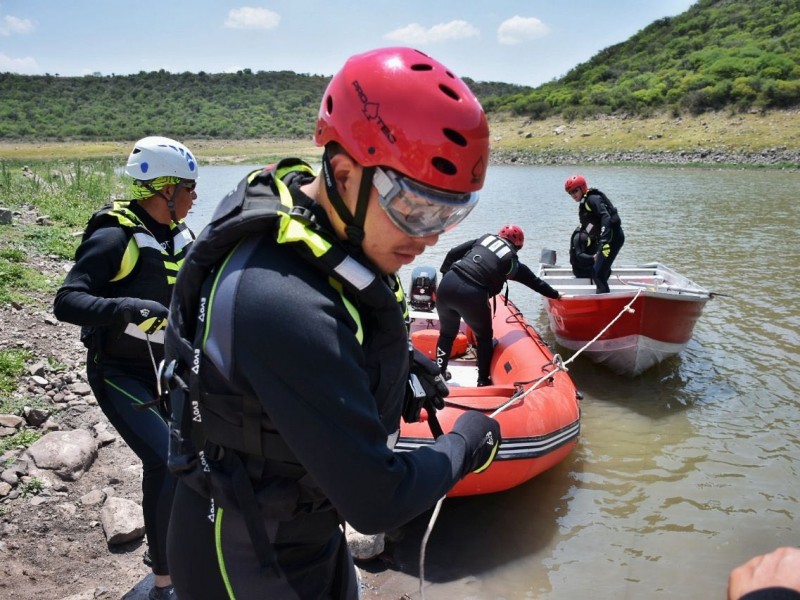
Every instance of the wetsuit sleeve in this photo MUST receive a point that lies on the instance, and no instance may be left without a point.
(773, 593)
(297, 349)
(526, 277)
(456, 253)
(79, 300)
(600, 209)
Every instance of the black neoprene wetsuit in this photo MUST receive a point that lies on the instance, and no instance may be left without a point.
(330, 382)
(772, 593)
(600, 220)
(123, 386)
(581, 257)
(474, 272)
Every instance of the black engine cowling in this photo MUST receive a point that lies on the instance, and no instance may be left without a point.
(422, 295)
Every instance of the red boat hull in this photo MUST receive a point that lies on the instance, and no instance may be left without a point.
(662, 310)
(657, 329)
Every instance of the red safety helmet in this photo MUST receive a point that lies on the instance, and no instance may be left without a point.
(576, 182)
(399, 108)
(513, 234)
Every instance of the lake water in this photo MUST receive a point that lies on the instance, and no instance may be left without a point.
(681, 473)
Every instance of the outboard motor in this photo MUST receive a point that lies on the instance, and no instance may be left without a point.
(548, 257)
(423, 288)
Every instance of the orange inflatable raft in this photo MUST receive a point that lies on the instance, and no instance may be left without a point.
(539, 428)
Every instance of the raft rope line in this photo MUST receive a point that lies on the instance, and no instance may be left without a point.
(559, 365)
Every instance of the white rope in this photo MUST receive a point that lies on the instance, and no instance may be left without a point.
(559, 365)
(424, 544)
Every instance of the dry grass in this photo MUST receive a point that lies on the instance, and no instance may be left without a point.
(747, 132)
(208, 151)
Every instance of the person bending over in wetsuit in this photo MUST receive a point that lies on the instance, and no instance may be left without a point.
(474, 272)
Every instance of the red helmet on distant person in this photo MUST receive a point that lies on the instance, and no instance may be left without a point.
(576, 182)
(401, 109)
(513, 234)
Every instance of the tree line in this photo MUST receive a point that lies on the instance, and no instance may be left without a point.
(241, 105)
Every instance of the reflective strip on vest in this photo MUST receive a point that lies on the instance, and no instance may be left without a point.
(292, 230)
(496, 245)
(400, 296)
(181, 240)
(128, 260)
(337, 285)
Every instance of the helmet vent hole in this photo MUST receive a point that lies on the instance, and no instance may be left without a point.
(329, 104)
(421, 67)
(455, 137)
(449, 92)
(444, 166)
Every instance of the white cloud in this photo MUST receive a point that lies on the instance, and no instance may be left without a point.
(444, 32)
(248, 17)
(520, 29)
(17, 65)
(10, 25)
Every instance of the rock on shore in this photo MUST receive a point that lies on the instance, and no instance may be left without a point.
(771, 157)
(71, 524)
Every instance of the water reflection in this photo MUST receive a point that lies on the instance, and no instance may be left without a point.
(501, 534)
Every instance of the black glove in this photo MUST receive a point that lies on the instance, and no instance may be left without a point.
(482, 437)
(148, 315)
(426, 387)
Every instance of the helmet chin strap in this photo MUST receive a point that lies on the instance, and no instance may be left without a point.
(354, 224)
(170, 201)
(171, 206)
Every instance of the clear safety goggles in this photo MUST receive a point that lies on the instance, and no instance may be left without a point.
(417, 209)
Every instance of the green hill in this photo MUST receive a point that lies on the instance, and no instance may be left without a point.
(238, 105)
(733, 54)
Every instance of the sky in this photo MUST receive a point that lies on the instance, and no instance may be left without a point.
(526, 42)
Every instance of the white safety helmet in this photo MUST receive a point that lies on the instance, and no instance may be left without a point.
(157, 156)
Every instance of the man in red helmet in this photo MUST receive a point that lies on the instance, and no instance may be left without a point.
(474, 272)
(288, 356)
(602, 223)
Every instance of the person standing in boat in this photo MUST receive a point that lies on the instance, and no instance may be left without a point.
(298, 268)
(602, 223)
(119, 291)
(473, 273)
